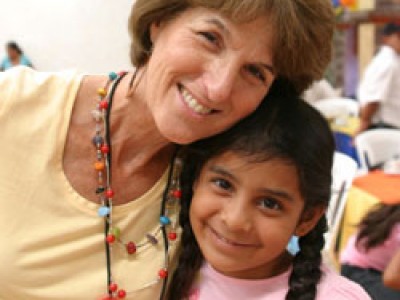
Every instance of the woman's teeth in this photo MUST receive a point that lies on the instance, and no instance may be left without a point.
(193, 104)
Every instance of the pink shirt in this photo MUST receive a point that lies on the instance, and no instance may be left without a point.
(212, 285)
(376, 258)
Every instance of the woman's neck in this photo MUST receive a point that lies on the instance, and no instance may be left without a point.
(139, 152)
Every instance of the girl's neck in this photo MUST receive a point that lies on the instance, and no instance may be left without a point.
(279, 266)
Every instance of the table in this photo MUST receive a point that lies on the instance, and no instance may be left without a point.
(367, 191)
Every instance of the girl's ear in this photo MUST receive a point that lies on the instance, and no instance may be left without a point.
(309, 220)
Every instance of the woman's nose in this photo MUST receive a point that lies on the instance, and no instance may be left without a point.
(221, 78)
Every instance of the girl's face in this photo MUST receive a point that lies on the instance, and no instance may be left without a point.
(244, 213)
(206, 72)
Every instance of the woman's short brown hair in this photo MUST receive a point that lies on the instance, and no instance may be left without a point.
(302, 38)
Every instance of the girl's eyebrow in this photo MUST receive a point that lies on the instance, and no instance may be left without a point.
(278, 193)
(223, 172)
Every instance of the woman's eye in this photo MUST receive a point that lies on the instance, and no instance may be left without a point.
(270, 203)
(222, 184)
(211, 37)
(256, 72)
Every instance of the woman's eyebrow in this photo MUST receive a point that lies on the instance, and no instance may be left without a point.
(224, 29)
(219, 24)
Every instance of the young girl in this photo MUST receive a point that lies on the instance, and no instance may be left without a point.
(370, 255)
(245, 193)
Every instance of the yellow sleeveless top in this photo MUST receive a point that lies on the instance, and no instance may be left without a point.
(52, 240)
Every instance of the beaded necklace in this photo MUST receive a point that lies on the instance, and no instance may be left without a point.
(102, 165)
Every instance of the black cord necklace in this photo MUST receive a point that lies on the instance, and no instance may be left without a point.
(170, 196)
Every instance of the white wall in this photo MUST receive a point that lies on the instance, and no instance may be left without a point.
(88, 35)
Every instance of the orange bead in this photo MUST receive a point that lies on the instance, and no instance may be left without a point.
(99, 166)
(102, 92)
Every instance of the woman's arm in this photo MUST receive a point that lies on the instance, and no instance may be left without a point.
(391, 275)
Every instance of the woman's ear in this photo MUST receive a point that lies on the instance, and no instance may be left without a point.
(309, 220)
(155, 29)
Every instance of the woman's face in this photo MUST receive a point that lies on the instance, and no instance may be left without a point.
(206, 73)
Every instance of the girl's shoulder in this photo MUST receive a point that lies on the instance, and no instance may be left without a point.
(335, 286)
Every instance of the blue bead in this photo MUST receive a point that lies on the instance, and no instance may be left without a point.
(112, 75)
(165, 220)
(103, 211)
(98, 140)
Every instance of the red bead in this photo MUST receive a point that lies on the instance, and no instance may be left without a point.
(105, 149)
(163, 273)
(131, 248)
(109, 193)
(121, 73)
(172, 236)
(103, 104)
(110, 238)
(177, 193)
(121, 294)
(113, 287)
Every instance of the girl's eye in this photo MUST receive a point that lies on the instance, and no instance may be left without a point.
(270, 203)
(222, 184)
(209, 36)
(256, 72)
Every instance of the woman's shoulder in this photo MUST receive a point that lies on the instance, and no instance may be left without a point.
(335, 286)
(26, 77)
(22, 82)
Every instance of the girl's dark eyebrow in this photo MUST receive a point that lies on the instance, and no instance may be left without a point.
(223, 172)
(278, 193)
(274, 192)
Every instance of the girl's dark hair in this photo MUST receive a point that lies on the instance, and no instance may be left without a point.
(283, 127)
(377, 225)
(14, 46)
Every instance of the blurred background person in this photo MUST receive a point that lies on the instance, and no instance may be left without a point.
(391, 276)
(371, 254)
(379, 92)
(15, 57)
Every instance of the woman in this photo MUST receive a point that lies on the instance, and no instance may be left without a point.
(15, 57)
(78, 233)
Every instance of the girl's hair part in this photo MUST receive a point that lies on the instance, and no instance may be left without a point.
(377, 225)
(284, 127)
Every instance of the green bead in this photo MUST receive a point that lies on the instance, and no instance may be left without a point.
(115, 231)
(112, 75)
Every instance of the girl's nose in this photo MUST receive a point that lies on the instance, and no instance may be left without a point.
(236, 217)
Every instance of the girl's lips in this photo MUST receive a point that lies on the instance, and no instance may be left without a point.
(229, 241)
